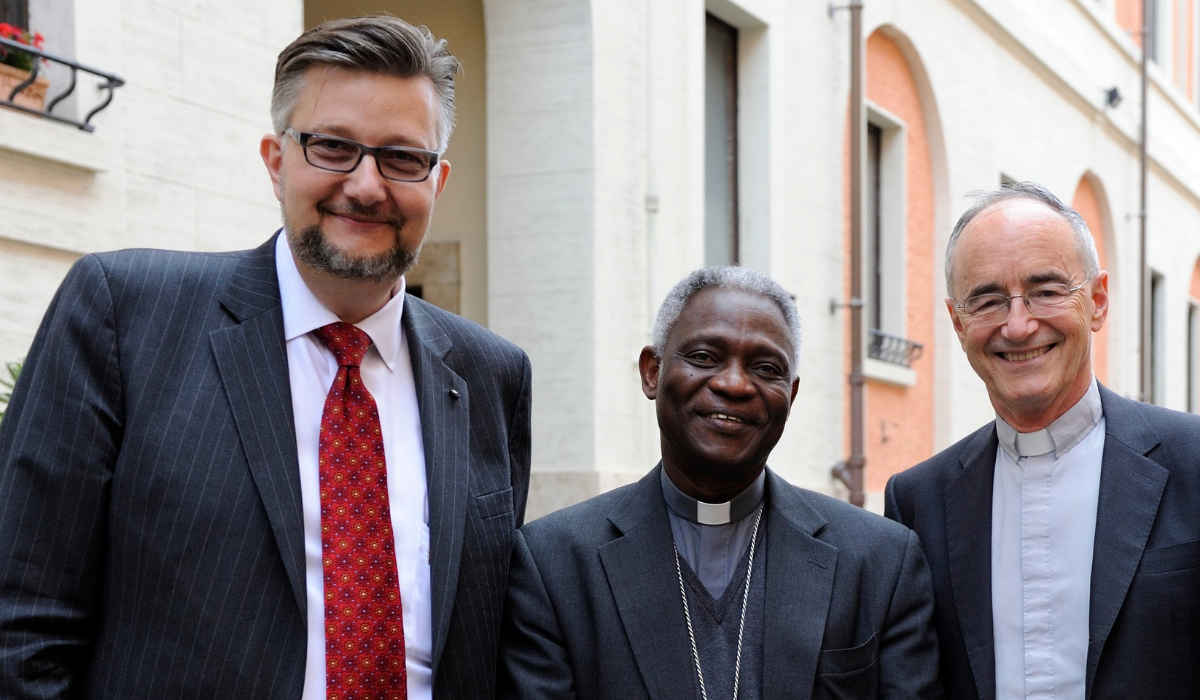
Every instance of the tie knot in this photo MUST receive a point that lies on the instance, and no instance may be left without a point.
(347, 343)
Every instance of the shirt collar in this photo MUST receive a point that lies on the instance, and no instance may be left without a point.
(303, 313)
(1067, 431)
(688, 508)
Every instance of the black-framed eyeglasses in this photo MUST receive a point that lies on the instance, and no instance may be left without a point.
(1043, 301)
(339, 155)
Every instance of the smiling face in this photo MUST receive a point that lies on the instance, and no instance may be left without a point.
(357, 225)
(722, 388)
(1034, 368)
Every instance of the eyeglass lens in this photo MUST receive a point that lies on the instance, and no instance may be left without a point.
(395, 163)
(1044, 300)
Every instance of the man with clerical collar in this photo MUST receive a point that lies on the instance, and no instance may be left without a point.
(1064, 538)
(712, 577)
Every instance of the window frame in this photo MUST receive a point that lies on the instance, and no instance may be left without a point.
(15, 12)
(886, 247)
(1157, 338)
(1193, 356)
(732, 234)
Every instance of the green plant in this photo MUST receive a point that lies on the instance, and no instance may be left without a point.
(16, 57)
(14, 369)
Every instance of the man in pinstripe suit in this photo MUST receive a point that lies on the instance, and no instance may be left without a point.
(170, 464)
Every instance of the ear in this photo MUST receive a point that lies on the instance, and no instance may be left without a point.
(1099, 300)
(443, 174)
(795, 389)
(957, 323)
(271, 150)
(648, 366)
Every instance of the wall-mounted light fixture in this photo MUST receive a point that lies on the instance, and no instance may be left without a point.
(1112, 97)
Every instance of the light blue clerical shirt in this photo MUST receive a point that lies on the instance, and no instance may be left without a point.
(712, 537)
(1045, 492)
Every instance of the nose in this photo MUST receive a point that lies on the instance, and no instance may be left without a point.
(364, 184)
(733, 381)
(1020, 323)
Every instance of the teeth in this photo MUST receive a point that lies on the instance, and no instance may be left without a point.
(723, 416)
(1020, 356)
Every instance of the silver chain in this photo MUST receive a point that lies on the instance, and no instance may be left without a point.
(687, 615)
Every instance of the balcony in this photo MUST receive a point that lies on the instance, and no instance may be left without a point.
(892, 349)
(109, 83)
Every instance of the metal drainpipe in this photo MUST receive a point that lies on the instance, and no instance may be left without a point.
(850, 472)
(1143, 275)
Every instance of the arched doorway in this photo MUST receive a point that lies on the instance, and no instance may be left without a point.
(899, 264)
(1092, 205)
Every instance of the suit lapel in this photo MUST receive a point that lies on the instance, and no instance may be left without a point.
(800, 573)
(252, 360)
(969, 549)
(446, 436)
(640, 567)
(1131, 486)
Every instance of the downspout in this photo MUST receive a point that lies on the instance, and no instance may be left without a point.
(850, 471)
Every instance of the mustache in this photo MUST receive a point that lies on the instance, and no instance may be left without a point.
(361, 211)
(310, 247)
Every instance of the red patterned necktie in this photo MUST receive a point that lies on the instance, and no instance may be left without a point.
(364, 628)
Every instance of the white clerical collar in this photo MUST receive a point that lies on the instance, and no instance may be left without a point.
(304, 313)
(688, 508)
(1067, 431)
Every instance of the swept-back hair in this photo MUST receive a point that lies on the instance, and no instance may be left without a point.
(375, 44)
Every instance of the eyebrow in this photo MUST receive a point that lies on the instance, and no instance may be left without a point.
(328, 130)
(720, 342)
(709, 340)
(1044, 277)
(1030, 281)
(988, 288)
(342, 133)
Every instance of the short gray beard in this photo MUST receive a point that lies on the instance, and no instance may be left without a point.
(311, 248)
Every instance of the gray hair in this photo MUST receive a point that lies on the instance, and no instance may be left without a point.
(731, 277)
(984, 199)
(376, 44)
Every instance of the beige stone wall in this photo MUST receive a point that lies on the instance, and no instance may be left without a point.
(172, 163)
(438, 276)
(23, 294)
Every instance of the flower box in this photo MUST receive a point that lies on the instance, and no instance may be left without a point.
(33, 96)
(16, 64)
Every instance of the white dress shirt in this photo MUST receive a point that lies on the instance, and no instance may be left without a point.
(1045, 493)
(387, 373)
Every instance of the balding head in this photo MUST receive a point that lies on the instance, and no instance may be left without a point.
(1030, 191)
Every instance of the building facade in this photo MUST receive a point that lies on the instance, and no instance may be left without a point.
(605, 148)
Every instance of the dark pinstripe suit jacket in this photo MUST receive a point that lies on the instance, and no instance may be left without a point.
(151, 542)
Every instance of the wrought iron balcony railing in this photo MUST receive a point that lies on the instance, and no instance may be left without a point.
(892, 348)
(109, 84)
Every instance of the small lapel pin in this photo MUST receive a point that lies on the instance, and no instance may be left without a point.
(454, 394)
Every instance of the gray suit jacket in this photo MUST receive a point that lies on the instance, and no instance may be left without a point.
(594, 610)
(1145, 607)
(151, 540)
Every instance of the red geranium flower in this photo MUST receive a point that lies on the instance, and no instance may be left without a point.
(16, 57)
